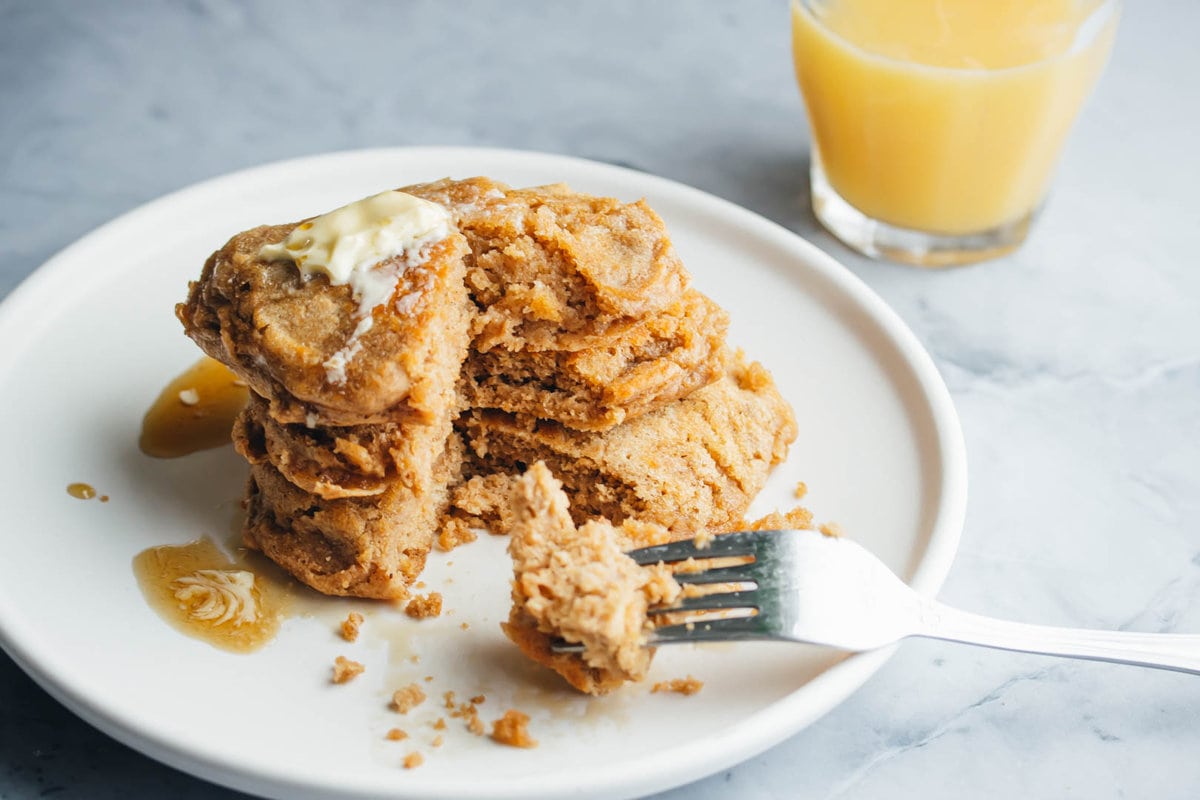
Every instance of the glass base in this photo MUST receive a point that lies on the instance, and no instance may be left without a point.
(918, 248)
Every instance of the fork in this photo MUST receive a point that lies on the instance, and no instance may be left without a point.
(809, 587)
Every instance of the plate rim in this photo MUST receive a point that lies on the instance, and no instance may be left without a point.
(675, 766)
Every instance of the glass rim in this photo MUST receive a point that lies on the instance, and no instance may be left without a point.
(1090, 28)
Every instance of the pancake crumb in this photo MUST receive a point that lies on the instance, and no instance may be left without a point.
(831, 529)
(408, 698)
(345, 670)
(350, 626)
(685, 686)
(513, 730)
(455, 532)
(465, 625)
(437, 741)
(429, 679)
(413, 760)
(396, 735)
(801, 490)
(466, 712)
(439, 724)
(424, 606)
(798, 518)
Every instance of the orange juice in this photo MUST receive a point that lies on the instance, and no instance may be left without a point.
(945, 116)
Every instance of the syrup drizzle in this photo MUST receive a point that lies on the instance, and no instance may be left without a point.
(194, 412)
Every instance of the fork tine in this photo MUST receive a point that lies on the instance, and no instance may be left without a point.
(738, 573)
(711, 602)
(726, 544)
(717, 630)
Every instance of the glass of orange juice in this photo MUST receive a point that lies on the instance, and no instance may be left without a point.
(936, 124)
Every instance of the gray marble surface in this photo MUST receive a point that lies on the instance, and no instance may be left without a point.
(1075, 363)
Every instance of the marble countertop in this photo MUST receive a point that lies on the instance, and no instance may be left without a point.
(1074, 363)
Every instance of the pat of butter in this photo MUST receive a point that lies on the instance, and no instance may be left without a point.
(218, 596)
(349, 244)
(349, 241)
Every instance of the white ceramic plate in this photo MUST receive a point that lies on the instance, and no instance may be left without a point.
(91, 338)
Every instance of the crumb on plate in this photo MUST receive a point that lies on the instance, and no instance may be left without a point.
(346, 670)
(423, 606)
(408, 698)
(454, 532)
(798, 518)
(466, 712)
(351, 625)
(831, 529)
(686, 686)
(513, 730)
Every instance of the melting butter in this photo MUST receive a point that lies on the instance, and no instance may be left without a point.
(349, 246)
(218, 596)
(345, 244)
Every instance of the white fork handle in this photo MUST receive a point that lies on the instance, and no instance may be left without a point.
(1174, 651)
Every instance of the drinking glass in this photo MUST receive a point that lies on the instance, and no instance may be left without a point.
(936, 124)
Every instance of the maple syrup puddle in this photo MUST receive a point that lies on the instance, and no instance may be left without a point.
(207, 595)
(194, 412)
(81, 491)
(234, 603)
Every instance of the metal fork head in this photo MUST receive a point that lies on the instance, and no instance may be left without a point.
(792, 585)
(747, 609)
(736, 610)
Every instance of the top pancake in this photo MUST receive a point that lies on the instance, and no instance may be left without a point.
(552, 269)
(279, 332)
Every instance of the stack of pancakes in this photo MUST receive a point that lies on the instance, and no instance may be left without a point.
(349, 473)
(551, 326)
